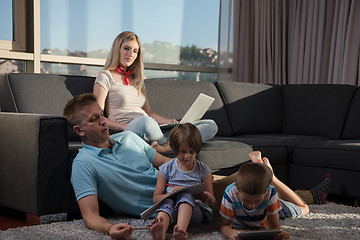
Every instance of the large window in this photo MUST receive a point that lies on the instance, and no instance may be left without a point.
(179, 37)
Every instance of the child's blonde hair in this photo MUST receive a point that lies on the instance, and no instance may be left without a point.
(253, 178)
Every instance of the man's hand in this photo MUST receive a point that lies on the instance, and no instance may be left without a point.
(283, 235)
(120, 231)
(234, 236)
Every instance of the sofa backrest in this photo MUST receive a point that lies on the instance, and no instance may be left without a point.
(172, 98)
(351, 128)
(317, 110)
(40, 93)
(252, 108)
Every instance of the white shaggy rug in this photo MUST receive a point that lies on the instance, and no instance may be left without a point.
(329, 221)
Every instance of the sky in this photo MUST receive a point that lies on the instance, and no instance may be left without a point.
(5, 19)
(88, 25)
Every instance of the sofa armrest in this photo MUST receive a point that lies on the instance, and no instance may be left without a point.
(34, 164)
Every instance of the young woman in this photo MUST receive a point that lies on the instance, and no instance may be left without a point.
(120, 91)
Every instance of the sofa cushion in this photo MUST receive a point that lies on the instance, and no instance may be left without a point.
(252, 108)
(223, 154)
(343, 182)
(43, 93)
(337, 154)
(277, 139)
(352, 127)
(173, 98)
(318, 110)
(274, 146)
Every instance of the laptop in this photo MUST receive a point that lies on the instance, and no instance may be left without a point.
(195, 112)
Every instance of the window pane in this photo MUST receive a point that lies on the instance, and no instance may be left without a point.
(187, 76)
(11, 66)
(6, 26)
(172, 32)
(70, 69)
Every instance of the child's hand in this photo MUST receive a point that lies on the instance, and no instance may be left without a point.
(177, 188)
(283, 235)
(206, 197)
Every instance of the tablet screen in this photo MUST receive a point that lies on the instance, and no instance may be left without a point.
(259, 235)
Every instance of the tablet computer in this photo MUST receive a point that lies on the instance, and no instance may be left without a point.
(258, 235)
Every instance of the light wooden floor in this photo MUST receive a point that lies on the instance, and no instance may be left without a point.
(12, 219)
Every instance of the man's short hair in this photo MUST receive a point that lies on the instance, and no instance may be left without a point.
(75, 105)
(186, 132)
(253, 178)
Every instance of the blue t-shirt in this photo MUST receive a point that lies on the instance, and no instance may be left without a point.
(124, 177)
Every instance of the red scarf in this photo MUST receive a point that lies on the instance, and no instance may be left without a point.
(126, 74)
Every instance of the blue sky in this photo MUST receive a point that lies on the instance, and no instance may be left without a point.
(89, 25)
(5, 19)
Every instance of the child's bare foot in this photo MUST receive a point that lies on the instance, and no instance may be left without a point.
(267, 162)
(160, 148)
(179, 234)
(255, 156)
(156, 229)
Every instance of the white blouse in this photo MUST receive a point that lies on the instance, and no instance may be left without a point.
(123, 103)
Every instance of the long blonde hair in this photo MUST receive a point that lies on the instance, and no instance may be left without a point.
(113, 60)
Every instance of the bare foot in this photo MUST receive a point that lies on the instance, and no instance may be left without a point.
(160, 148)
(267, 162)
(156, 229)
(179, 234)
(255, 156)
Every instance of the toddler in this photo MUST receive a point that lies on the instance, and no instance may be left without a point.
(182, 171)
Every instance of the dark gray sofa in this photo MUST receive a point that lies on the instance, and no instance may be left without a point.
(305, 130)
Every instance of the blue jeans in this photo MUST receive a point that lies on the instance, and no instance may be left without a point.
(148, 129)
(170, 206)
(289, 210)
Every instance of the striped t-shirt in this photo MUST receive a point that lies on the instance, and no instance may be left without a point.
(232, 208)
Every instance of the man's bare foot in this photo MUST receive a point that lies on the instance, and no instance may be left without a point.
(179, 234)
(255, 156)
(156, 229)
(160, 148)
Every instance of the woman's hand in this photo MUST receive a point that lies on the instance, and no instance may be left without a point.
(173, 121)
